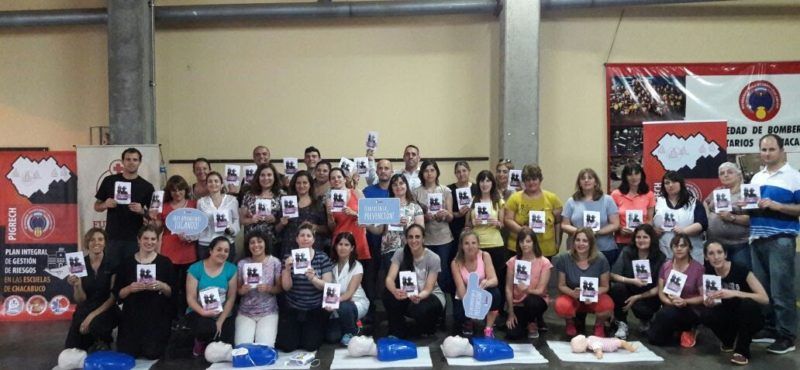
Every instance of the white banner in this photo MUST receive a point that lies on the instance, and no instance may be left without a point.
(97, 162)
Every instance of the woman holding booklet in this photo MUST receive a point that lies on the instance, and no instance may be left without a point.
(460, 211)
(534, 198)
(261, 206)
(526, 286)
(310, 209)
(343, 213)
(679, 283)
(223, 216)
(583, 275)
(211, 295)
(471, 259)
(436, 202)
(730, 225)
(635, 202)
(678, 212)
(352, 301)
(258, 286)
(590, 207)
(735, 303)
(301, 324)
(144, 285)
(411, 288)
(635, 280)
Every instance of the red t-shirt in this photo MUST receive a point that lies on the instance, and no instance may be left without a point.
(180, 252)
(625, 203)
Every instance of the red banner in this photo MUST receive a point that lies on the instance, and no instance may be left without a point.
(38, 201)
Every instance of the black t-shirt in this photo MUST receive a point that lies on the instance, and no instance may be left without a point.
(97, 286)
(624, 266)
(736, 280)
(121, 222)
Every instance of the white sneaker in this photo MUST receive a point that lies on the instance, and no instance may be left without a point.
(622, 330)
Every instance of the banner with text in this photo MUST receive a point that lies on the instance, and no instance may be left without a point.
(38, 198)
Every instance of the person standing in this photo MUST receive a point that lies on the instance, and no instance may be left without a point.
(124, 221)
(773, 231)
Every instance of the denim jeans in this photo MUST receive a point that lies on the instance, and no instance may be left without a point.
(773, 265)
(445, 277)
(344, 324)
(739, 254)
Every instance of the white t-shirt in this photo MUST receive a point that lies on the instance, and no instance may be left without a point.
(343, 278)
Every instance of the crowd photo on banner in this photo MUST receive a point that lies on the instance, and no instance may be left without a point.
(497, 249)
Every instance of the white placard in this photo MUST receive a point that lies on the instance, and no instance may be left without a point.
(338, 200)
(641, 271)
(77, 266)
(145, 273)
(263, 207)
(210, 299)
(372, 140)
(522, 272)
(290, 206)
(123, 192)
(331, 294)
(711, 283)
(347, 166)
(221, 221)
(302, 260)
(249, 173)
(633, 218)
(589, 289)
(289, 166)
(591, 219)
(536, 221)
(408, 283)
(722, 200)
(233, 174)
(157, 201)
(464, 197)
(482, 214)
(669, 221)
(362, 165)
(252, 274)
(514, 179)
(751, 194)
(435, 202)
(675, 283)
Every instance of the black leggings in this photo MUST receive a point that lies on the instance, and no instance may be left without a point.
(204, 329)
(735, 322)
(669, 321)
(425, 313)
(99, 329)
(300, 329)
(531, 309)
(643, 309)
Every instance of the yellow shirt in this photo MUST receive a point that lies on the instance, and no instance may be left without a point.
(521, 205)
(488, 235)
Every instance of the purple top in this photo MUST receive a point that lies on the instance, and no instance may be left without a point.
(255, 303)
(694, 280)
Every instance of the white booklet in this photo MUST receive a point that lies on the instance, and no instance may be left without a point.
(77, 266)
(253, 274)
(408, 282)
(464, 197)
(722, 200)
(589, 287)
(591, 219)
(338, 200)
(711, 283)
(233, 174)
(641, 271)
(362, 165)
(221, 221)
(751, 194)
(536, 221)
(331, 297)
(249, 173)
(514, 179)
(522, 272)
(122, 192)
(633, 218)
(347, 166)
(482, 214)
(263, 207)
(145, 273)
(669, 221)
(435, 202)
(372, 140)
(289, 166)
(157, 201)
(210, 299)
(290, 206)
(302, 260)
(675, 283)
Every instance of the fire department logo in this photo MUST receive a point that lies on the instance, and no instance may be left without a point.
(38, 223)
(760, 101)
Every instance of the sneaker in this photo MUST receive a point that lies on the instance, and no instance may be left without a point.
(488, 332)
(725, 348)
(764, 336)
(739, 359)
(467, 328)
(688, 339)
(542, 325)
(571, 330)
(533, 332)
(622, 330)
(599, 330)
(346, 339)
(199, 348)
(781, 346)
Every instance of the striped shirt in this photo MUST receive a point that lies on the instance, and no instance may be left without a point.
(304, 295)
(783, 186)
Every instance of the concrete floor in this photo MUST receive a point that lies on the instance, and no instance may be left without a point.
(37, 345)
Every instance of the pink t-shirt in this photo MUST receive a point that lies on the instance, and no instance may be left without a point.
(637, 202)
(538, 265)
(694, 279)
(479, 269)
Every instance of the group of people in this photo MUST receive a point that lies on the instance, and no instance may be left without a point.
(631, 241)
(643, 97)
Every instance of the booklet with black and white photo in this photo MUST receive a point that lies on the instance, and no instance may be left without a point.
(249, 173)
(123, 192)
(253, 274)
(435, 202)
(589, 289)
(347, 166)
(669, 221)
(210, 299)
(633, 218)
(145, 273)
(289, 166)
(675, 283)
(77, 266)
(302, 260)
(641, 271)
(514, 179)
(221, 220)
(751, 194)
(482, 214)
(233, 174)
(372, 140)
(290, 206)
(362, 165)
(331, 295)
(591, 219)
(711, 283)
(263, 207)
(536, 221)
(157, 201)
(522, 272)
(408, 282)
(722, 200)
(338, 200)
(464, 197)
